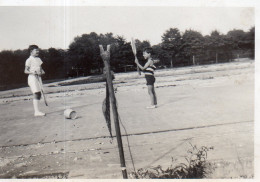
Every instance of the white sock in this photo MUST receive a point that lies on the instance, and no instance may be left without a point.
(36, 105)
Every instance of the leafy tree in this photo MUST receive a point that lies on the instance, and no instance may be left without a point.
(250, 38)
(215, 43)
(12, 64)
(140, 45)
(172, 43)
(241, 41)
(161, 54)
(83, 52)
(192, 44)
(122, 55)
(54, 63)
(237, 37)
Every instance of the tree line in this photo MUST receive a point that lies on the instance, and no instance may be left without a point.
(82, 58)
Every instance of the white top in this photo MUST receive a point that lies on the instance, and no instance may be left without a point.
(34, 63)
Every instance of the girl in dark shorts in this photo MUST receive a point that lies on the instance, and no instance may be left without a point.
(148, 70)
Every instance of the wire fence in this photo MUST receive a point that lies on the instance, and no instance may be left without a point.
(206, 58)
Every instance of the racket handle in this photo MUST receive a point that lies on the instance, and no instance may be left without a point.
(139, 72)
(44, 98)
(45, 101)
(138, 69)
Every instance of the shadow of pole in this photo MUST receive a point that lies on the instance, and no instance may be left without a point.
(168, 152)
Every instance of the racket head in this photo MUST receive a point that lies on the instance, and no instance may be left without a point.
(133, 46)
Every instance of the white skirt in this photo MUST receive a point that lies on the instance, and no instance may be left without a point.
(34, 83)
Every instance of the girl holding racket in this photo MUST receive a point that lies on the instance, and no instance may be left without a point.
(148, 70)
(34, 70)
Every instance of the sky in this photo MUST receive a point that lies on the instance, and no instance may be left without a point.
(57, 26)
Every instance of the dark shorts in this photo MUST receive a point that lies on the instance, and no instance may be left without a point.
(150, 79)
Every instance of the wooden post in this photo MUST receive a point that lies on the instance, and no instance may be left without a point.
(193, 59)
(106, 57)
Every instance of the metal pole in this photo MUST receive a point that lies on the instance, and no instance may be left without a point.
(106, 57)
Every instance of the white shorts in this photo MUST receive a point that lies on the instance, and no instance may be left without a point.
(34, 84)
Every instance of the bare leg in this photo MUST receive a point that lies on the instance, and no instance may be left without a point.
(151, 94)
(154, 95)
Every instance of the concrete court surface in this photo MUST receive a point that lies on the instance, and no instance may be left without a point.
(217, 112)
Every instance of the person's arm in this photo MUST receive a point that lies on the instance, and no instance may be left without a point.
(145, 66)
(27, 70)
(42, 72)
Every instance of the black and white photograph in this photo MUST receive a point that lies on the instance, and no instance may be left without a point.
(128, 90)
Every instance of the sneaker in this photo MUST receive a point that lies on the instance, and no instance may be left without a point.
(39, 114)
(151, 107)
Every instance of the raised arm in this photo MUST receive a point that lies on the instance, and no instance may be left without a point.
(149, 62)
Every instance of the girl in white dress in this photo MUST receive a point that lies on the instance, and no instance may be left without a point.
(33, 69)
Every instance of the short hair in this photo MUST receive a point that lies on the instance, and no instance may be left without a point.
(149, 50)
(32, 47)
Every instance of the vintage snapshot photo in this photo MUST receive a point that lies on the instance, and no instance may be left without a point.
(128, 90)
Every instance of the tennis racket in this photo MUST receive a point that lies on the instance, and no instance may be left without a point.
(134, 51)
(40, 85)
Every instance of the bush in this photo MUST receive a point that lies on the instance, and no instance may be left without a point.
(196, 167)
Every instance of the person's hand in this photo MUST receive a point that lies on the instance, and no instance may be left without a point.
(37, 72)
(136, 61)
(42, 72)
(156, 61)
